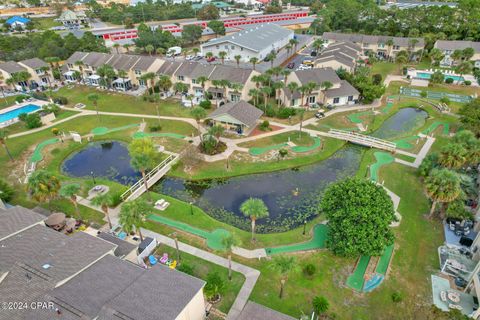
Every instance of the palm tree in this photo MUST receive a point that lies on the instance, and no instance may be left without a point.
(277, 87)
(202, 80)
(320, 305)
(442, 185)
(45, 70)
(164, 83)
(294, 43)
(132, 215)
(453, 156)
(195, 51)
(148, 77)
(209, 55)
(253, 61)
(271, 57)
(464, 68)
(254, 92)
(288, 47)
(317, 44)
(93, 97)
(224, 84)
(70, 191)
(185, 53)
(283, 265)
(126, 46)
(1, 88)
(254, 208)
(389, 44)
(292, 87)
(217, 132)
(309, 87)
(160, 51)
(181, 87)
(222, 55)
(80, 64)
(285, 73)
(237, 59)
(266, 92)
(43, 186)
(104, 201)
(107, 74)
(303, 91)
(116, 46)
(149, 49)
(54, 64)
(22, 77)
(229, 242)
(198, 113)
(142, 158)
(3, 142)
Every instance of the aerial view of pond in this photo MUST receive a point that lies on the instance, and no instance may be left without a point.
(105, 159)
(292, 196)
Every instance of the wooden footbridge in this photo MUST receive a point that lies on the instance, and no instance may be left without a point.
(363, 139)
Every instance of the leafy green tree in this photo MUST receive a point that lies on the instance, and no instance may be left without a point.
(70, 191)
(284, 265)
(191, 33)
(456, 209)
(442, 186)
(437, 77)
(208, 12)
(104, 201)
(320, 305)
(255, 209)
(3, 142)
(222, 55)
(214, 286)
(470, 116)
(428, 164)
(142, 158)
(359, 214)
(217, 26)
(229, 242)
(133, 214)
(6, 191)
(253, 61)
(43, 186)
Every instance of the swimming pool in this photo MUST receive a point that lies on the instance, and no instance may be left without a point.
(13, 114)
(426, 76)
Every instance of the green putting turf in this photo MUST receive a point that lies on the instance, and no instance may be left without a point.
(317, 142)
(382, 159)
(389, 105)
(214, 238)
(435, 125)
(37, 153)
(356, 280)
(104, 130)
(256, 151)
(320, 232)
(138, 135)
(384, 260)
(405, 143)
(355, 117)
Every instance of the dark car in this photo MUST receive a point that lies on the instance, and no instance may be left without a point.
(313, 53)
(319, 115)
(330, 107)
(197, 58)
(211, 59)
(291, 65)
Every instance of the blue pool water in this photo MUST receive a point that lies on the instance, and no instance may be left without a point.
(426, 76)
(15, 113)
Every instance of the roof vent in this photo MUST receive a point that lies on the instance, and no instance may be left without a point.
(46, 266)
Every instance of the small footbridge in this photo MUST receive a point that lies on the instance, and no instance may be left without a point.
(152, 177)
(363, 139)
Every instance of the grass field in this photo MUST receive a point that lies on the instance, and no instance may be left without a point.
(297, 137)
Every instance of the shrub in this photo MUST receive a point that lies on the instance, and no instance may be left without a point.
(6, 191)
(467, 82)
(31, 120)
(270, 112)
(116, 199)
(22, 116)
(309, 269)
(445, 100)
(185, 268)
(55, 151)
(284, 113)
(377, 79)
(155, 128)
(283, 152)
(55, 131)
(61, 100)
(206, 104)
(264, 126)
(39, 96)
(52, 108)
(20, 98)
(397, 297)
(449, 80)
(214, 285)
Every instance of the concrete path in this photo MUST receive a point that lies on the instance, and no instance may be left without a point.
(424, 151)
(405, 163)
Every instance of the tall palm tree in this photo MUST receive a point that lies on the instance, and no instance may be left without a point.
(195, 51)
(43, 186)
(3, 142)
(149, 49)
(126, 46)
(80, 65)
(54, 64)
(309, 87)
(164, 83)
(209, 55)
(254, 208)
(254, 92)
(133, 214)
(237, 59)
(94, 97)
(294, 43)
(464, 68)
(266, 92)
(317, 44)
(148, 77)
(389, 44)
(222, 55)
(202, 80)
(116, 46)
(442, 186)
(277, 87)
(45, 70)
(160, 51)
(453, 156)
(224, 84)
(198, 113)
(289, 48)
(142, 158)
(283, 265)
(106, 73)
(253, 61)
(217, 132)
(104, 201)
(229, 242)
(292, 87)
(70, 191)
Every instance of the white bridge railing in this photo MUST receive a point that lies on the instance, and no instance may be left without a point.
(362, 139)
(152, 177)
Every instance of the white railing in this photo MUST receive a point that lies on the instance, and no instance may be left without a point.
(363, 139)
(140, 183)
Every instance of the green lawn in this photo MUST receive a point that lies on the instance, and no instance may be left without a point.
(201, 268)
(6, 101)
(297, 137)
(118, 102)
(45, 23)
(386, 68)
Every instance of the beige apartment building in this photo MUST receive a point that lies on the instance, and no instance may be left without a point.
(39, 75)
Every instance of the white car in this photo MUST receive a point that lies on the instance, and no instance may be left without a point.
(304, 67)
(189, 57)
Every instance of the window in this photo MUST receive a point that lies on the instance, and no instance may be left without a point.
(38, 71)
(194, 81)
(396, 47)
(336, 100)
(234, 97)
(141, 82)
(70, 65)
(350, 98)
(232, 47)
(93, 68)
(241, 48)
(226, 47)
(138, 72)
(181, 78)
(311, 99)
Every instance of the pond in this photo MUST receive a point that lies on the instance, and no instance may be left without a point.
(108, 159)
(292, 196)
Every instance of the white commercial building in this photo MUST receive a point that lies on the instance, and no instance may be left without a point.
(256, 41)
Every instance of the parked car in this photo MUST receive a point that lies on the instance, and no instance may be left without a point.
(330, 107)
(313, 53)
(211, 59)
(291, 65)
(307, 62)
(197, 58)
(189, 57)
(319, 114)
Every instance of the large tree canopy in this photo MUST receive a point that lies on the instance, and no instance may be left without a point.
(470, 116)
(359, 214)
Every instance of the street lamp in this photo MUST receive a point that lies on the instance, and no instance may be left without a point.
(191, 208)
(304, 226)
(93, 177)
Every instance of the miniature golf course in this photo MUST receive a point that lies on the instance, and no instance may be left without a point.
(104, 130)
(37, 153)
(382, 158)
(320, 232)
(317, 142)
(406, 142)
(138, 135)
(256, 151)
(435, 125)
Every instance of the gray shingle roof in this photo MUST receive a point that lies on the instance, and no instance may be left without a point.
(169, 67)
(123, 61)
(241, 110)
(232, 74)
(325, 57)
(254, 311)
(123, 247)
(457, 45)
(346, 44)
(34, 63)
(342, 49)
(317, 75)
(143, 63)
(345, 90)
(77, 56)
(194, 70)
(96, 59)
(256, 38)
(17, 219)
(12, 67)
(360, 38)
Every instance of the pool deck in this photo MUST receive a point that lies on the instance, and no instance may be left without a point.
(36, 102)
